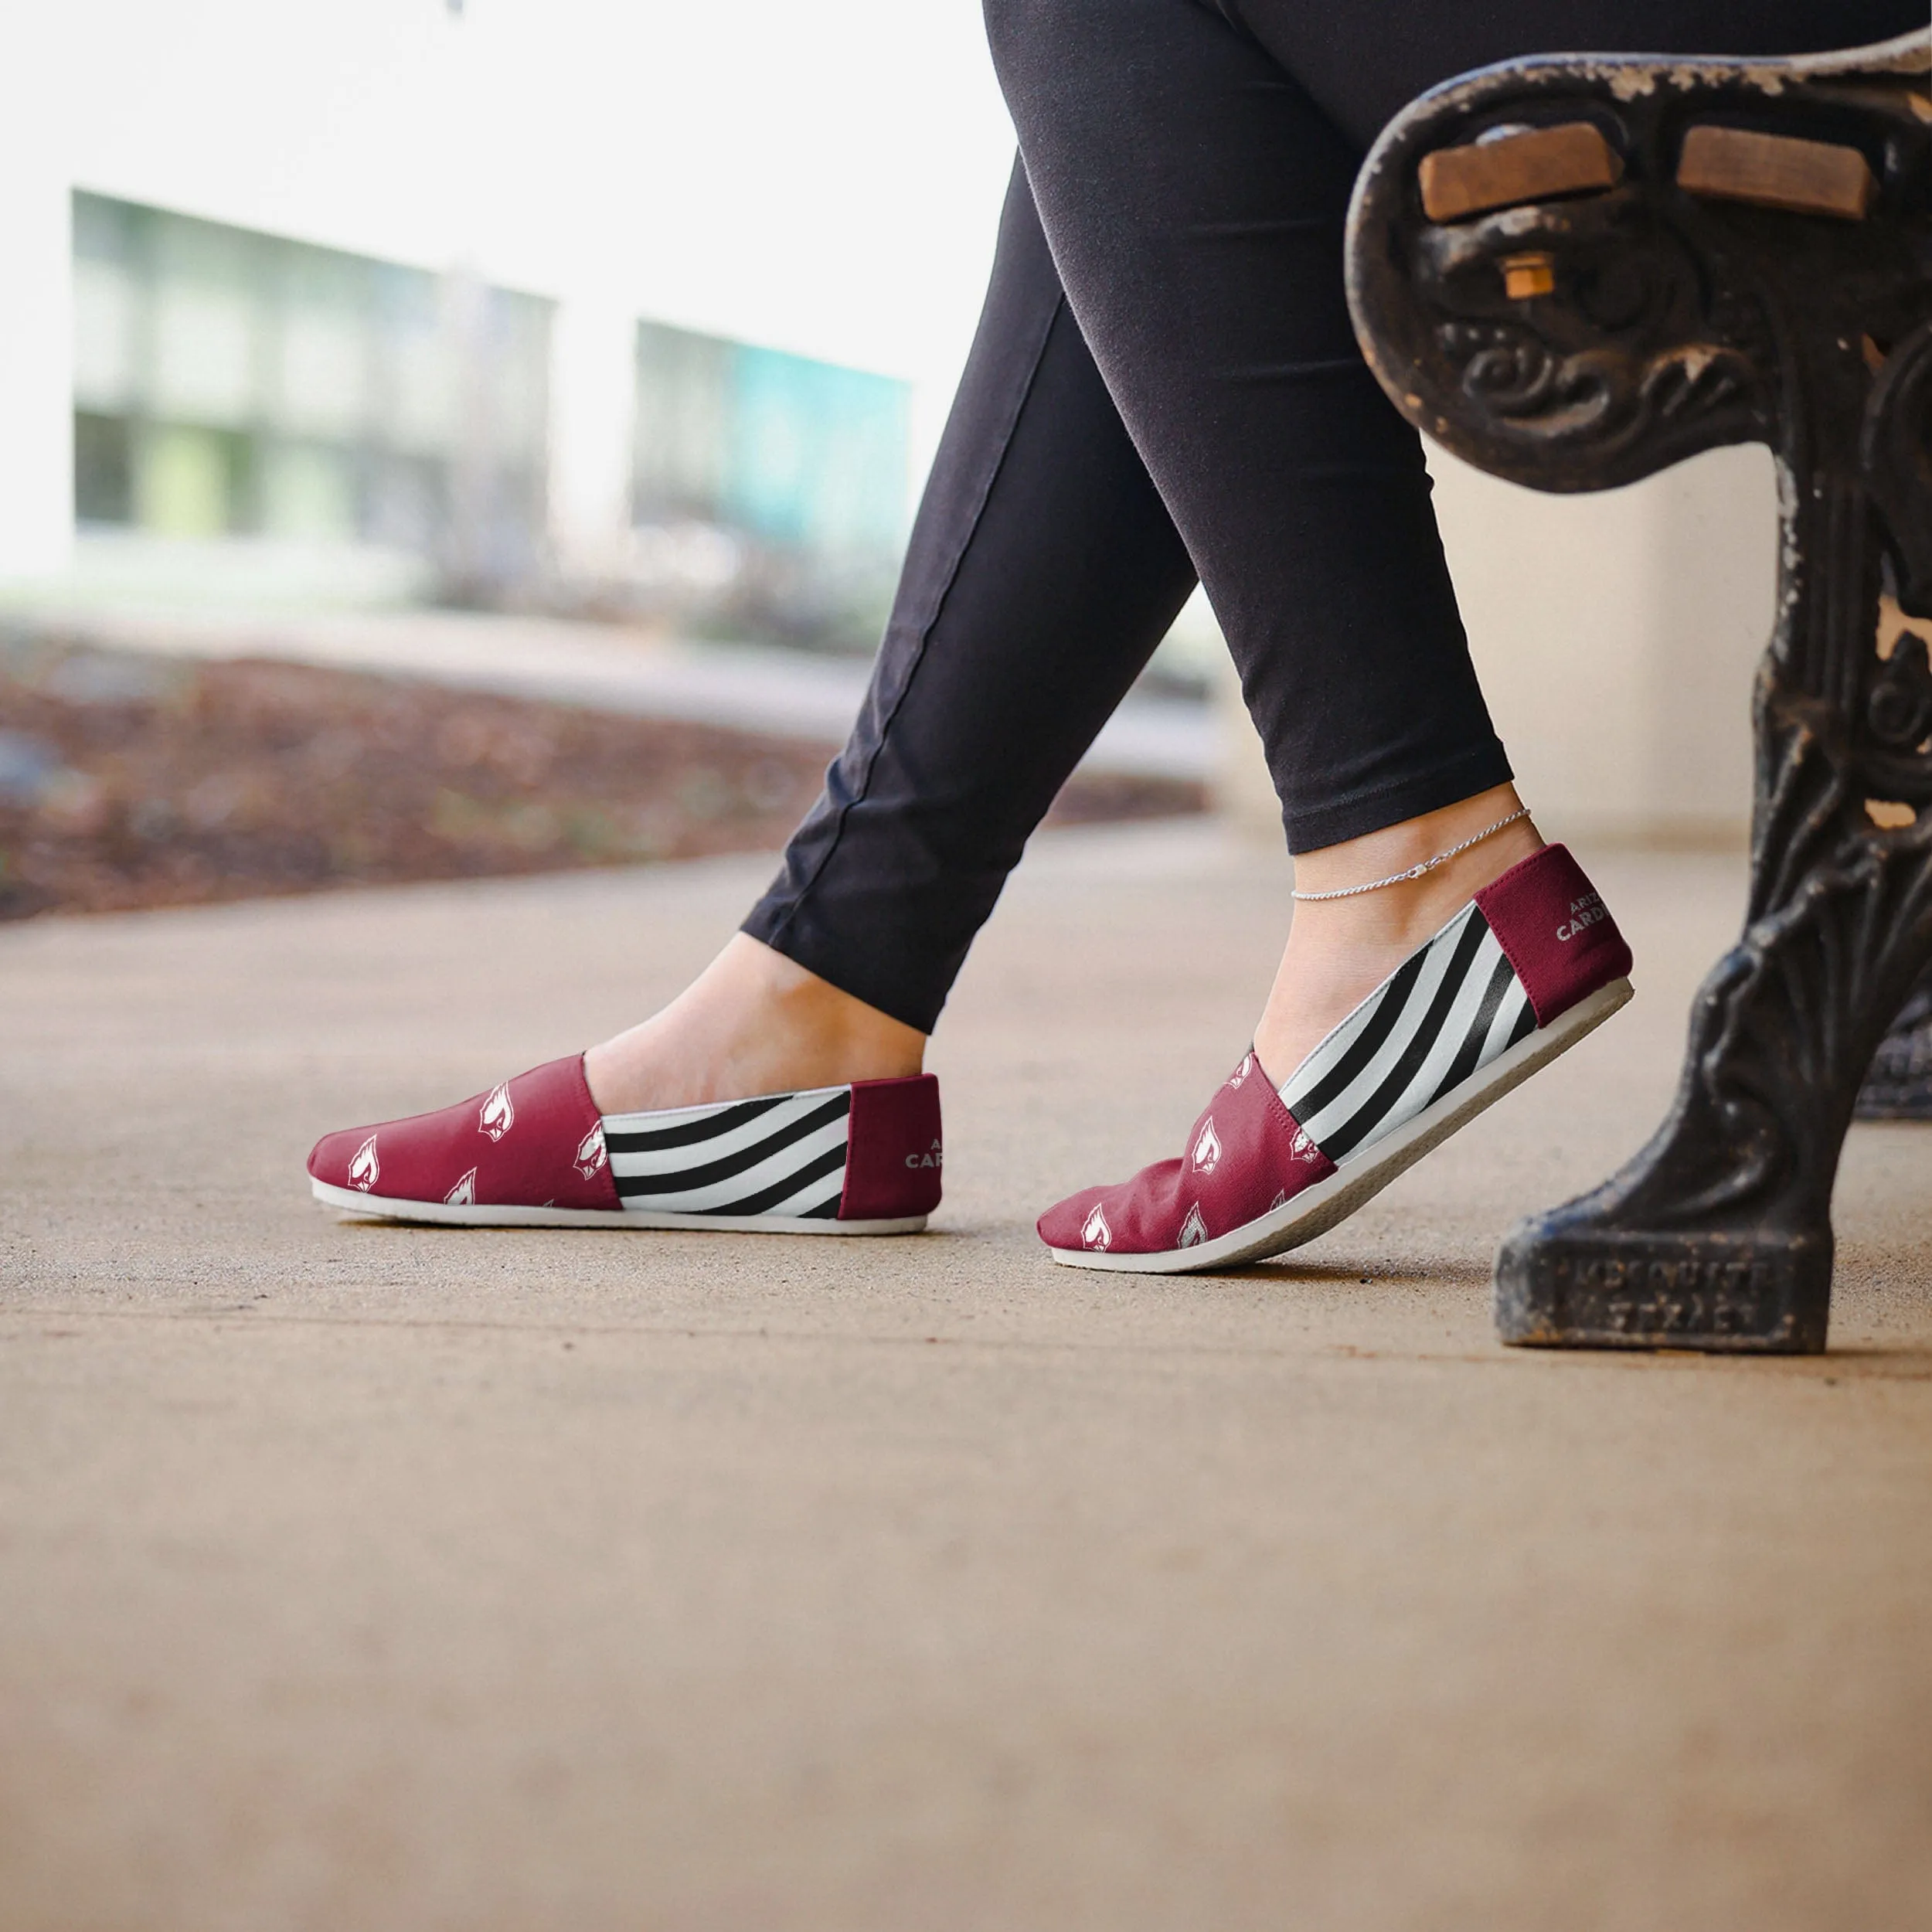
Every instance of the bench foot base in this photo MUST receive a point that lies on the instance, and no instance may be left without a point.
(1573, 1286)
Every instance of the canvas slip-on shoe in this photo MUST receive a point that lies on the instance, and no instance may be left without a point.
(1533, 964)
(534, 1152)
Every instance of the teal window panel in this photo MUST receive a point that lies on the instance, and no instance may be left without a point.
(816, 454)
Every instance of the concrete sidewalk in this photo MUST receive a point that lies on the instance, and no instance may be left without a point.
(356, 1577)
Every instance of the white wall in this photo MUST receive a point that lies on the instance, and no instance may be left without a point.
(592, 404)
(1617, 635)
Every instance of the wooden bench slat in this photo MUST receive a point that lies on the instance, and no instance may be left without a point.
(1777, 171)
(1534, 165)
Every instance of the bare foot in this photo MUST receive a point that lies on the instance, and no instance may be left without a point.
(752, 1022)
(1340, 950)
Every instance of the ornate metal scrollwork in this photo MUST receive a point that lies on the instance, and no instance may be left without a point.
(1632, 352)
(1895, 452)
(1584, 341)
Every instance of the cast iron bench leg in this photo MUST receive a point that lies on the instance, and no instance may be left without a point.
(1898, 1084)
(1575, 272)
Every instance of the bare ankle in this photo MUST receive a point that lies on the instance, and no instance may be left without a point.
(752, 1022)
(1464, 847)
(1340, 949)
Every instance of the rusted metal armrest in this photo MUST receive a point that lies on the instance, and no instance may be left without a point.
(1574, 272)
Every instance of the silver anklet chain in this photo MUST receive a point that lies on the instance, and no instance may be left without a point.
(1427, 865)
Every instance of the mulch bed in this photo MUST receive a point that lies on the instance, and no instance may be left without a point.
(128, 781)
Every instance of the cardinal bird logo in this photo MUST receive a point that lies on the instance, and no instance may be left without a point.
(1207, 1149)
(590, 1153)
(499, 1115)
(1193, 1229)
(1243, 1071)
(1097, 1233)
(464, 1193)
(1304, 1148)
(365, 1170)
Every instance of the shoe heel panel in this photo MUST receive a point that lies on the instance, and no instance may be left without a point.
(1556, 931)
(894, 1150)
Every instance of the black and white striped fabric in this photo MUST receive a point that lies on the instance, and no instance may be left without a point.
(783, 1156)
(1449, 1008)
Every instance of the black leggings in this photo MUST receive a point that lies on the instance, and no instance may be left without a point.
(1165, 383)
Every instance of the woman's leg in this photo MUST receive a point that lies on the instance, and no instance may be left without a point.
(1194, 197)
(1043, 570)
(1192, 162)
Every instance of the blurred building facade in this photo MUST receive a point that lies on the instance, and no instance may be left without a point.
(229, 384)
(328, 308)
(772, 486)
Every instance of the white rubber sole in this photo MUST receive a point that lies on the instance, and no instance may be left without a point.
(380, 1207)
(1316, 1209)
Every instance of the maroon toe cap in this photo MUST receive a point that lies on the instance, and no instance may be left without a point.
(535, 1142)
(1066, 1224)
(332, 1155)
(1246, 1156)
